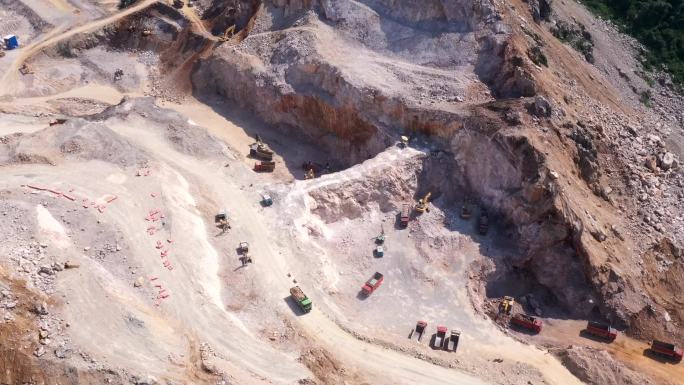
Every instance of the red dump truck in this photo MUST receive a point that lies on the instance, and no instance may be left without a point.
(667, 350)
(601, 330)
(420, 329)
(527, 322)
(404, 216)
(264, 166)
(440, 337)
(372, 284)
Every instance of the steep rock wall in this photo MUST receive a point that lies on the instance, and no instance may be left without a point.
(288, 77)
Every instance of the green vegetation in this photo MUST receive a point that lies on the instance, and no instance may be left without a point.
(658, 24)
(537, 56)
(576, 36)
(646, 97)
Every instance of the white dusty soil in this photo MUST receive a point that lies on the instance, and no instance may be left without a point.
(188, 188)
(159, 291)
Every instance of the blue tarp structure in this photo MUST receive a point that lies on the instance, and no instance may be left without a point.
(11, 42)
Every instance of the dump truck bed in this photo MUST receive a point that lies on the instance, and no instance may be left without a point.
(601, 330)
(667, 349)
(527, 322)
(372, 283)
(452, 343)
(297, 293)
(264, 166)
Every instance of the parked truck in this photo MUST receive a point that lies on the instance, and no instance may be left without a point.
(452, 343)
(265, 165)
(420, 329)
(372, 284)
(440, 337)
(404, 215)
(466, 210)
(483, 224)
(601, 330)
(666, 350)
(527, 322)
(302, 300)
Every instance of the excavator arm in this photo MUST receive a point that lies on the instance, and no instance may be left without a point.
(230, 31)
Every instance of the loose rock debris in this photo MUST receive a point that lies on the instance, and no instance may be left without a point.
(357, 111)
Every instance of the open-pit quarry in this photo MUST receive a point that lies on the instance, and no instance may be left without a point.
(127, 130)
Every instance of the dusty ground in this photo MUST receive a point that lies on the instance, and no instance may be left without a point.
(111, 268)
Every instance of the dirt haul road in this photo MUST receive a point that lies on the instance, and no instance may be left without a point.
(164, 340)
(10, 81)
(195, 307)
(274, 270)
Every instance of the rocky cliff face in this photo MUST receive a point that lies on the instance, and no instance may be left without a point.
(352, 76)
(349, 76)
(337, 86)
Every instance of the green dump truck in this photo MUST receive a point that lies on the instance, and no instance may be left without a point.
(302, 300)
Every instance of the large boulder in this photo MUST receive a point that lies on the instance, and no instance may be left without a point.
(541, 107)
(587, 155)
(541, 10)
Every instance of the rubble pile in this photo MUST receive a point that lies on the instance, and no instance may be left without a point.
(597, 367)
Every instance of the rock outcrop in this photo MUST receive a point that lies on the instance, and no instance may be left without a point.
(597, 367)
(353, 78)
(338, 85)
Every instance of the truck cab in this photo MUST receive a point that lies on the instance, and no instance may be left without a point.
(222, 215)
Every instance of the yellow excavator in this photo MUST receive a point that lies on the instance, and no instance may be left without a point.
(506, 305)
(309, 174)
(230, 32)
(422, 205)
